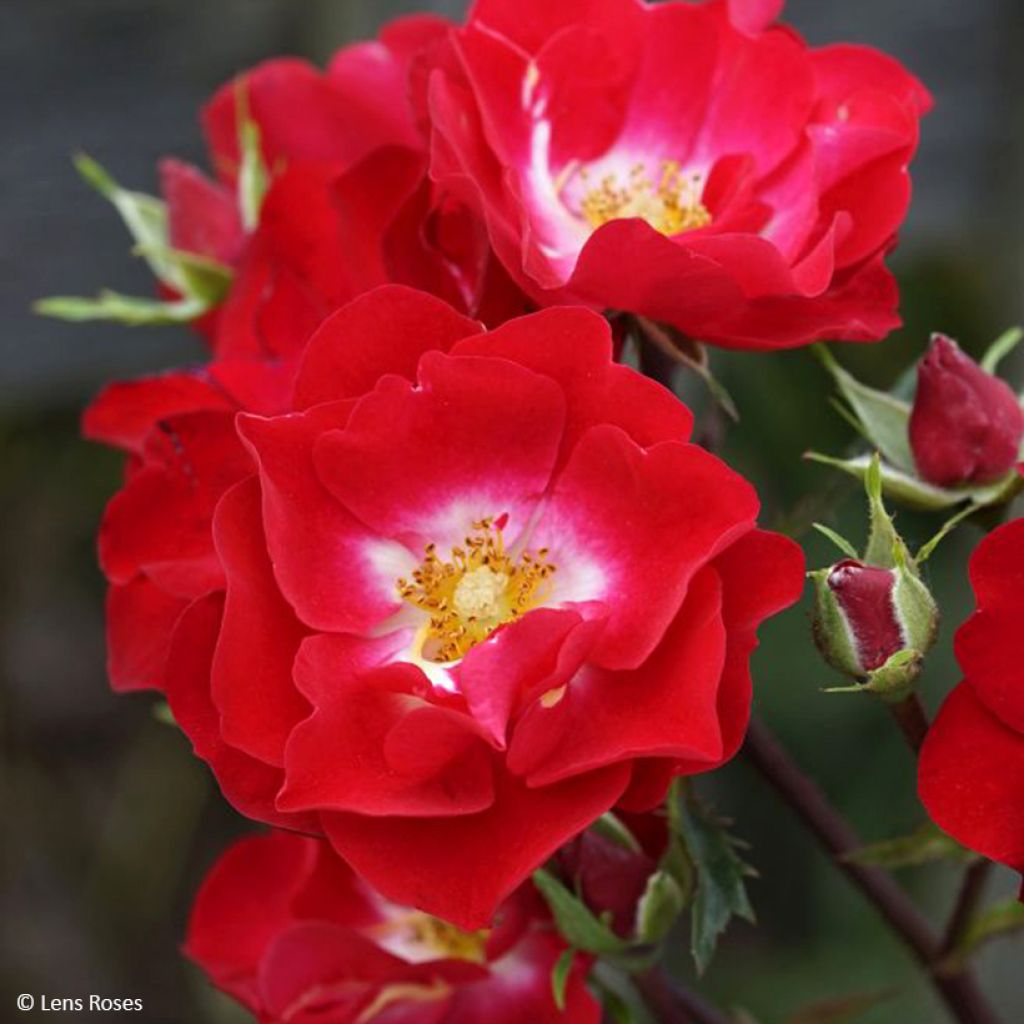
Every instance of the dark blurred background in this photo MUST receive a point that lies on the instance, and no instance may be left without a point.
(108, 821)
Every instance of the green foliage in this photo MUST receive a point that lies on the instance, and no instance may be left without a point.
(721, 874)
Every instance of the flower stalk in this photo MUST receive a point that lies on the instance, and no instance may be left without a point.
(958, 991)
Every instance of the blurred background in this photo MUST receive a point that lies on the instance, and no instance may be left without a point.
(109, 822)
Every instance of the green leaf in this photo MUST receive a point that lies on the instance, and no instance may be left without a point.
(660, 906)
(721, 891)
(1001, 348)
(925, 845)
(841, 1010)
(125, 309)
(838, 539)
(884, 418)
(253, 173)
(560, 977)
(576, 922)
(927, 550)
(998, 920)
(203, 279)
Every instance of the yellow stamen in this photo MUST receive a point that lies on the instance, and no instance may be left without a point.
(671, 205)
(479, 588)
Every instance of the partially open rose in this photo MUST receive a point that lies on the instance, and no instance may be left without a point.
(687, 162)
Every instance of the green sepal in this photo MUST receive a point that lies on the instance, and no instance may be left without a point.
(144, 216)
(884, 419)
(1001, 348)
(927, 844)
(201, 282)
(831, 630)
(893, 681)
(253, 173)
(1004, 918)
(577, 924)
(838, 539)
(609, 827)
(125, 309)
(560, 977)
(203, 279)
(660, 905)
(885, 547)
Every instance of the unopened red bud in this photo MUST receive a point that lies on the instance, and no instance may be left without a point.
(610, 879)
(865, 595)
(966, 425)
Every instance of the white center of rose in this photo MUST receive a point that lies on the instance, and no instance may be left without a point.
(479, 593)
(478, 588)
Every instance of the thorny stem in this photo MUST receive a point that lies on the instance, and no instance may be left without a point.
(672, 1004)
(959, 991)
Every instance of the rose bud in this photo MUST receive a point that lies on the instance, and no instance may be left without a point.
(618, 869)
(874, 624)
(966, 425)
(610, 877)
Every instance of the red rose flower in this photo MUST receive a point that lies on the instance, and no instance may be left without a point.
(480, 590)
(971, 772)
(348, 207)
(966, 425)
(685, 162)
(286, 928)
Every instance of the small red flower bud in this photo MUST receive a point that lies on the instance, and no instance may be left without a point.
(865, 595)
(610, 878)
(966, 425)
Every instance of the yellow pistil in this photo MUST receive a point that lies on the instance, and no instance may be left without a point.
(479, 588)
(671, 205)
